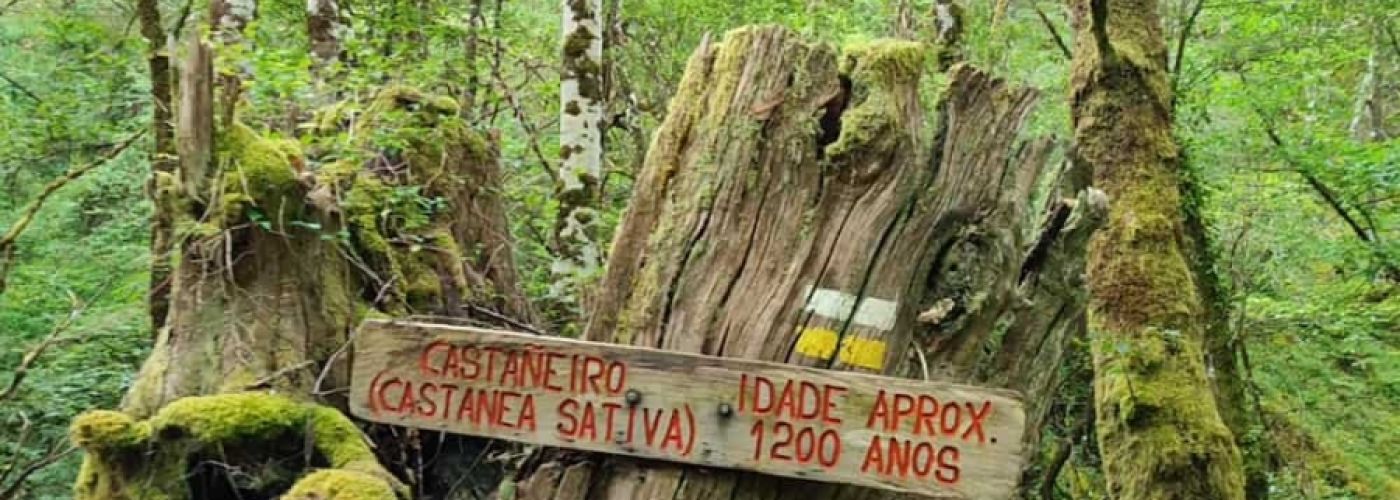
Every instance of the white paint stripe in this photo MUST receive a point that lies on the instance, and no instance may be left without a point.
(837, 305)
(876, 313)
(833, 304)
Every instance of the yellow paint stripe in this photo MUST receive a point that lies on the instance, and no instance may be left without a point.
(817, 342)
(864, 353)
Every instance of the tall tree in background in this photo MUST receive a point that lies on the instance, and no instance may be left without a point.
(163, 160)
(578, 253)
(1160, 433)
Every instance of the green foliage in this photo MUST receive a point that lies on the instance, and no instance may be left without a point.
(1328, 361)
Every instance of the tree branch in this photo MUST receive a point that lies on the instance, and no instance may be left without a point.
(32, 355)
(1394, 41)
(1181, 46)
(1330, 197)
(54, 452)
(7, 6)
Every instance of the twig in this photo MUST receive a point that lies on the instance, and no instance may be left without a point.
(505, 319)
(1181, 46)
(1394, 41)
(266, 381)
(56, 451)
(525, 124)
(24, 428)
(1327, 194)
(330, 362)
(1054, 33)
(9, 4)
(55, 454)
(19, 87)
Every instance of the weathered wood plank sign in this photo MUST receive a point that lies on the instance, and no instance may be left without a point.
(931, 438)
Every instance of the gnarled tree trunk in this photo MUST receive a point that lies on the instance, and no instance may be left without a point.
(795, 198)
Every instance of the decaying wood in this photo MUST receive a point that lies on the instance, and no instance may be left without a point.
(773, 418)
(278, 263)
(798, 205)
(194, 119)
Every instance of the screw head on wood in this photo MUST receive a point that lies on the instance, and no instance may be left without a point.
(725, 410)
(633, 397)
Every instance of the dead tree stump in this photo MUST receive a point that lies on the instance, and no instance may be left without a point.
(279, 260)
(801, 205)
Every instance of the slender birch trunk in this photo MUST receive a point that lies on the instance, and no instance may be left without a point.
(580, 144)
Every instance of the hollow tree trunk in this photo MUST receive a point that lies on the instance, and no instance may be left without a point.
(1159, 430)
(785, 174)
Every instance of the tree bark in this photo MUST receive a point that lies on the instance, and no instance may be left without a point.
(324, 26)
(163, 160)
(578, 253)
(1160, 432)
(1221, 346)
(228, 19)
(783, 172)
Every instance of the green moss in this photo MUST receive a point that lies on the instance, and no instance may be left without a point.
(147, 459)
(885, 63)
(400, 223)
(884, 76)
(107, 430)
(340, 485)
(259, 172)
(228, 417)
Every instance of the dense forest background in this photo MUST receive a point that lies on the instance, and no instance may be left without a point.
(1288, 112)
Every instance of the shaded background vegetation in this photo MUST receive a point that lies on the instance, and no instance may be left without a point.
(1288, 110)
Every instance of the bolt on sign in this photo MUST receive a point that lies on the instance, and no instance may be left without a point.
(931, 438)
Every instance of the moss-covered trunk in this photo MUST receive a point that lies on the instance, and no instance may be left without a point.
(1160, 433)
(279, 255)
(784, 172)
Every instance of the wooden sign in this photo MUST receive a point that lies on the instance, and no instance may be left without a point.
(931, 438)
